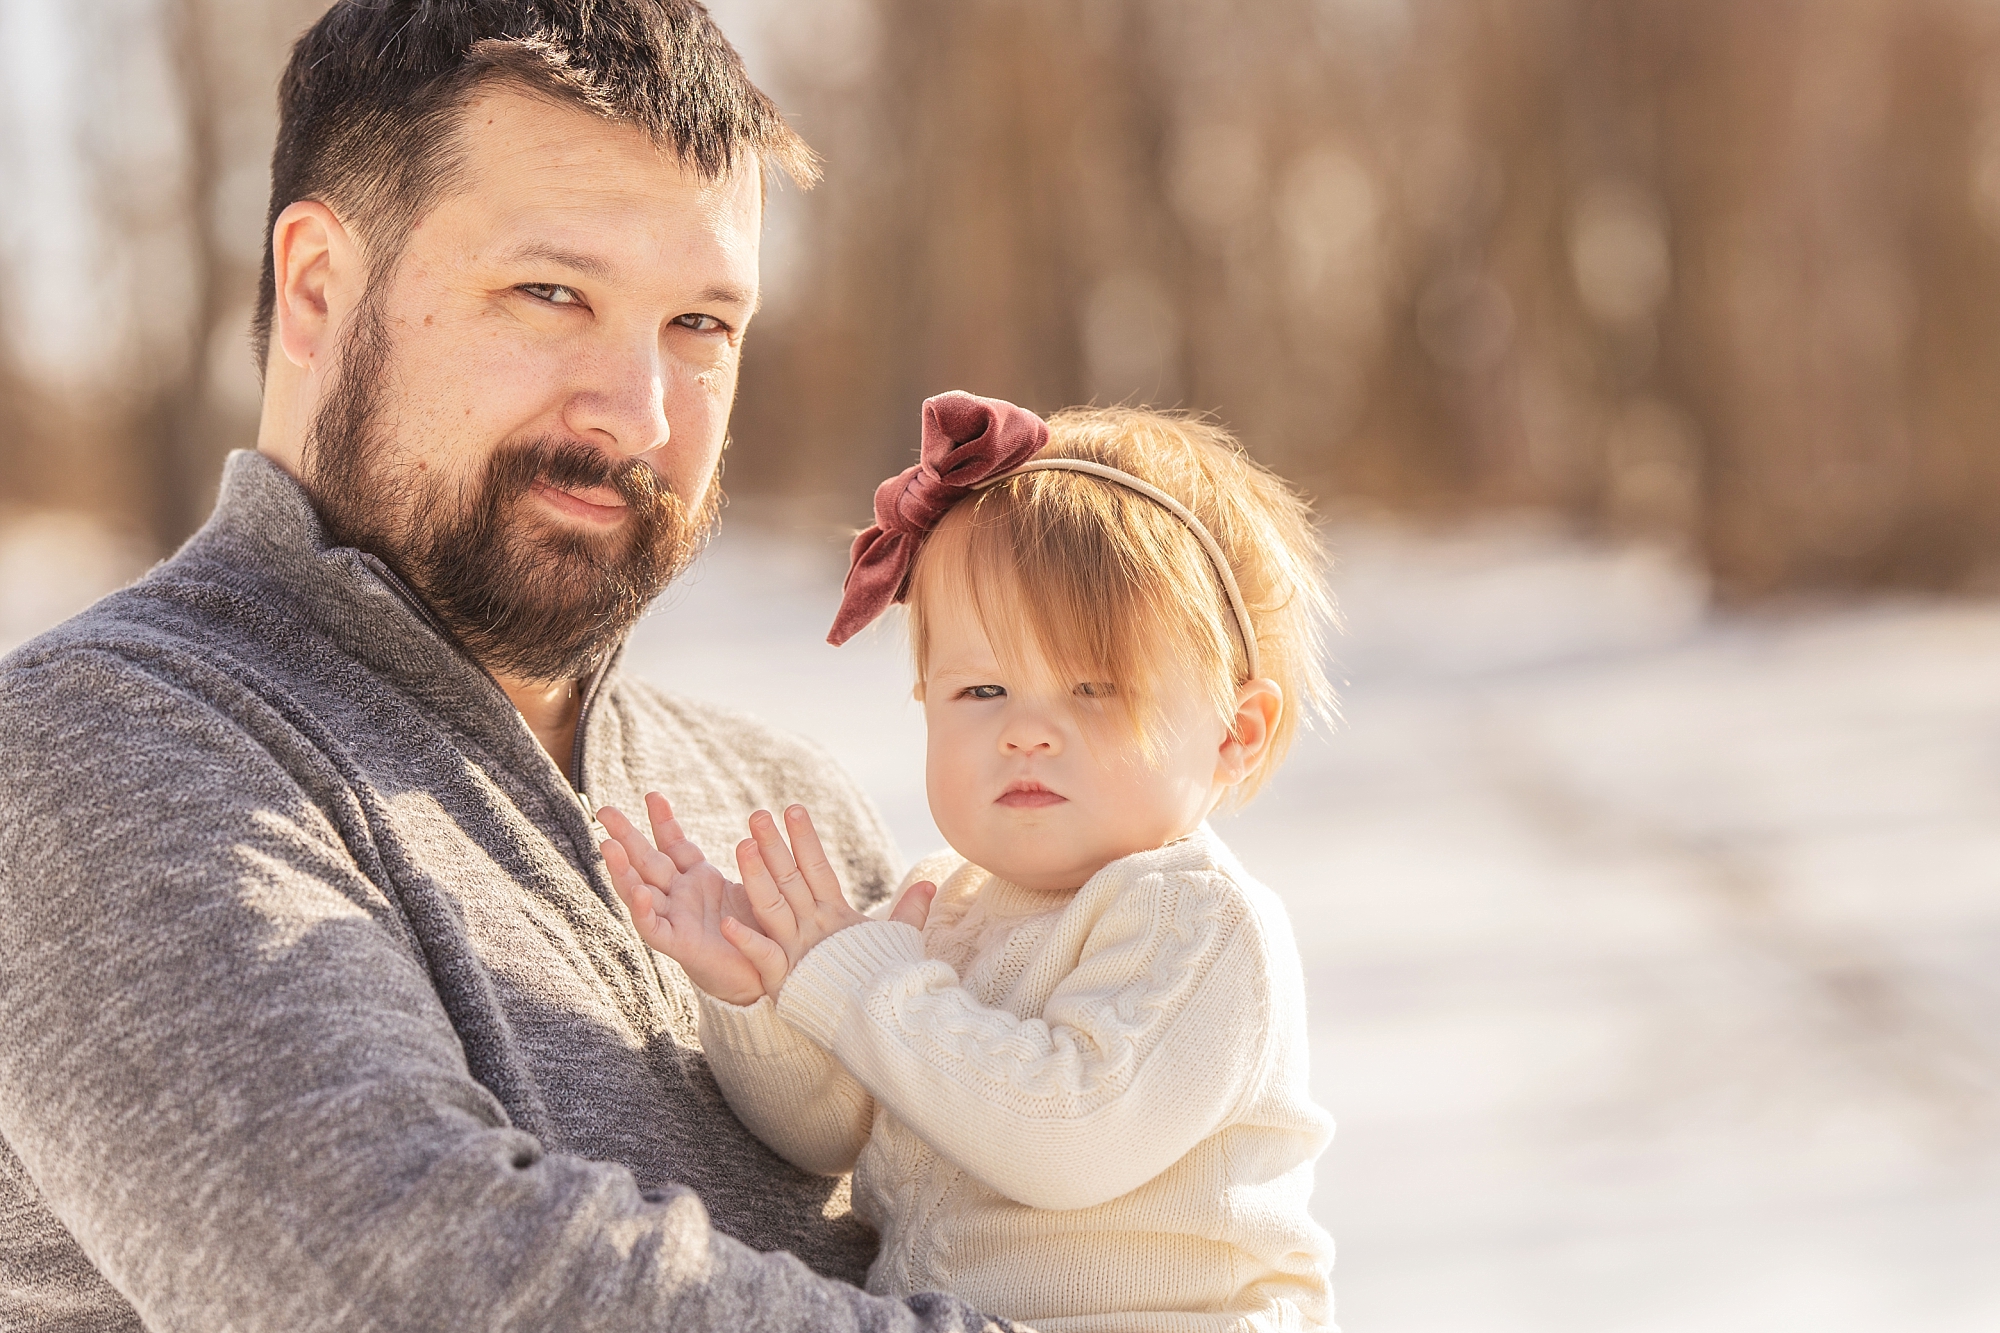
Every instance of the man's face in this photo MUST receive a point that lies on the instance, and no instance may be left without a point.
(528, 414)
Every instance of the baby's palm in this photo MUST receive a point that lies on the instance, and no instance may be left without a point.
(795, 895)
(678, 901)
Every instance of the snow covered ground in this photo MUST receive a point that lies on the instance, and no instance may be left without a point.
(1654, 957)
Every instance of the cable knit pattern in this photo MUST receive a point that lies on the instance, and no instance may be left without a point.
(1087, 1112)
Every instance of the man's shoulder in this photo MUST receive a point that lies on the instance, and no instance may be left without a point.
(718, 764)
(123, 634)
(116, 726)
(176, 682)
(178, 607)
(666, 727)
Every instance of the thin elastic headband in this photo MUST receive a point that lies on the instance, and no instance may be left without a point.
(1178, 510)
(969, 444)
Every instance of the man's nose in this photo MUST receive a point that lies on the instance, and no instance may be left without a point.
(620, 402)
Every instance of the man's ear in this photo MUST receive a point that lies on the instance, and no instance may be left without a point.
(320, 276)
(1258, 705)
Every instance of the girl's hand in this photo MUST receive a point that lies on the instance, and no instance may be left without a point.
(679, 901)
(795, 896)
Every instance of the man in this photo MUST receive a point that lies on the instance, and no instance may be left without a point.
(319, 1009)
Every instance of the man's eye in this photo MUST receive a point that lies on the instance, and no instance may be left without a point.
(700, 323)
(1097, 689)
(553, 293)
(983, 692)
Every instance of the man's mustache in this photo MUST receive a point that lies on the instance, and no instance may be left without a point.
(571, 465)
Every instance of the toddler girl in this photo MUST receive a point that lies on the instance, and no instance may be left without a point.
(1072, 1089)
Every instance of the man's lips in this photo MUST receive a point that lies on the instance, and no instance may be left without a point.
(600, 504)
(1029, 796)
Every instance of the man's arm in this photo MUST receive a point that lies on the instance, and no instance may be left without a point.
(228, 1072)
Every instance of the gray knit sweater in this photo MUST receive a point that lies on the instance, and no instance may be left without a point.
(316, 1008)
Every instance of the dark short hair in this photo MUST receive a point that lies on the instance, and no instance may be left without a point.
(368, 108)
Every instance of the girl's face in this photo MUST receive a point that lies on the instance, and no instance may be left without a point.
(1041, 780)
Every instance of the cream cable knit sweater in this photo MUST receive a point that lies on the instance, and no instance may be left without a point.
(1087, 1112)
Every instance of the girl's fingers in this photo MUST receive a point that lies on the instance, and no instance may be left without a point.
(778, 859)
(767, 902)
(619, 868)
(763, 953)
(623, 877)
(637, 896)
(615, 823)
(652, 866)
(735, 898)
(820, 876)
(667, 833)
(914, 907)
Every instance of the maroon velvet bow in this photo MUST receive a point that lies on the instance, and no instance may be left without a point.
(967, 440)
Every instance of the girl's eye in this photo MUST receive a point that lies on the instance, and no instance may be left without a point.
(553, 293)
(1097, 689)
(700, 323)
(983, 692)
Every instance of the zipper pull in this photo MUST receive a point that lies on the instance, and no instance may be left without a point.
(601, 833)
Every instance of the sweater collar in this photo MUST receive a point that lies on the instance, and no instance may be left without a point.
(266, 541)
(1200, 849)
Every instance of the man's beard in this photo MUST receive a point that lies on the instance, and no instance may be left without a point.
(526, 597)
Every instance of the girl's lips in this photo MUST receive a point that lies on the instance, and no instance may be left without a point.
(1030, 796)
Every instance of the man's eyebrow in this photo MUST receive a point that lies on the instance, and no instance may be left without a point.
(538, 252)
(724, 294)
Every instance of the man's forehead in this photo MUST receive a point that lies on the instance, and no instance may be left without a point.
(568, 182)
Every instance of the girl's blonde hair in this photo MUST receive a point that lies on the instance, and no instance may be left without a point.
(1110, 585)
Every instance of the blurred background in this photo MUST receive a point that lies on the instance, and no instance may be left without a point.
(1641, 357)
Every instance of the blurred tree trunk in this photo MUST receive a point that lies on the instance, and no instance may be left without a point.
(1725, 276)
(179, 425)
(17, 435)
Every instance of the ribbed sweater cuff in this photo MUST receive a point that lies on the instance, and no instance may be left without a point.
(752, 1030)
(839, 969)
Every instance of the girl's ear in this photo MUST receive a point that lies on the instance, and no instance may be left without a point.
(1258, 704)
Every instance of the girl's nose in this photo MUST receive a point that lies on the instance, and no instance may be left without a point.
(1030, 732)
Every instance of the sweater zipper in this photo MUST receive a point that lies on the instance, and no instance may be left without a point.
(582, 729)
(574, 778)
(405, 594)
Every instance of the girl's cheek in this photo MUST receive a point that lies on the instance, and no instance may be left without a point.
(951, 765)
